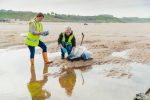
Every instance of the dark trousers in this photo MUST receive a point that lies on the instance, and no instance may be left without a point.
(68, 47)
(32, 49)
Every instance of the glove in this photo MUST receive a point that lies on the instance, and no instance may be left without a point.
(46, 33)
(64, 50)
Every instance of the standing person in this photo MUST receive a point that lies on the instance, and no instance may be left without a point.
(33, 38)
(67, 42)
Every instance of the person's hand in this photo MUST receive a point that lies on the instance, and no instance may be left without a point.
(46, 33)
(73, 51)
(64, 50)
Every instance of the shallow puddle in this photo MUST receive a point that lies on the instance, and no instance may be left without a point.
(20, 81)
(123, 54)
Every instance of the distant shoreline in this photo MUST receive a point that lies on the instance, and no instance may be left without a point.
(9, 15)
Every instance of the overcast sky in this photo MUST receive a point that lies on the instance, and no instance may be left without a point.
(118, 8)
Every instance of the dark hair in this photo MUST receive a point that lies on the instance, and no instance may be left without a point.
(40, 15)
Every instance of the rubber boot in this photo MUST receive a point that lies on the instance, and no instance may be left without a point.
(32, 61)
(45, 58)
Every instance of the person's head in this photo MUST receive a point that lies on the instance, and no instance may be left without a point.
(68, 30)
(39, 17)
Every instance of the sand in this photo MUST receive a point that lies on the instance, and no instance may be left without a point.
(100, 38)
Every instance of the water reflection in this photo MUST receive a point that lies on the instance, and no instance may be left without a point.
(67, 77)
(83, 70)
(67, 80)
(35, 86)
(96, 86)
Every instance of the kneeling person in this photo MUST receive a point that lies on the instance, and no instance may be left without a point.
(67, 42)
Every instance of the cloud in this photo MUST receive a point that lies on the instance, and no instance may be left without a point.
(118, 8)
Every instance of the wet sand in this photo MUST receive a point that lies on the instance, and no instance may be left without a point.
(121, 63)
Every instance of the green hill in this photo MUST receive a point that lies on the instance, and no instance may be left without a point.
(54, 17)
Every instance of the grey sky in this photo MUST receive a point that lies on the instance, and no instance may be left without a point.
(119, 8)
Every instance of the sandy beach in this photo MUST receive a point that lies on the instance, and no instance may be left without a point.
(121, 57)
(100, 38)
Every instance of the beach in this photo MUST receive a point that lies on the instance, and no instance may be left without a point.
(100, 38)
(121, 56)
